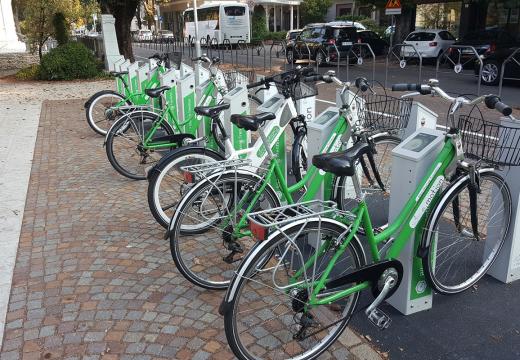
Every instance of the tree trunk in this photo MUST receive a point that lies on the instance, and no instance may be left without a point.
(405, 23)
(124, 37)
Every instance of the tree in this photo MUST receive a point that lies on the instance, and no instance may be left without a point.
(123, 12)
(314, 10)
(61, 29)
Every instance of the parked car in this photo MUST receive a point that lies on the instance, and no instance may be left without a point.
(356, 24)
(165, 34)
(292, 34)
(492, 65)
(377, 43)
(485, 42)
(143, 35)
(430, 43)
(318, 42)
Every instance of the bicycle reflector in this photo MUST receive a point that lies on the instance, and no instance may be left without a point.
(259, 231)
(188, 177)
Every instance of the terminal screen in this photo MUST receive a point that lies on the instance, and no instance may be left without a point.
(419, 142)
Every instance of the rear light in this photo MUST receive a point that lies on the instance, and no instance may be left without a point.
(188, 177)
(433, 43)
(331, 41)
(492, 48)
(258, 231)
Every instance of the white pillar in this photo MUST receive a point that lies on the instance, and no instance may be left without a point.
(266, 17)
(292, 17)
(298, 17)
(274, 18)
(8, 39)
(110, 41)
(281, 18)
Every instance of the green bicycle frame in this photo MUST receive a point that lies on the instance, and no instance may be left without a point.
(314, 177)
(412, 216)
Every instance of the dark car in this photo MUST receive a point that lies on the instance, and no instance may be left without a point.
(492, 65)
(377, 43)
(321, 42)
(485, 42)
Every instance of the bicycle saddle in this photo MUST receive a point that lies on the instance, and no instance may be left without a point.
(118, 73)
(211, 111)
(341, 163)
(251, 122)
(153, 93)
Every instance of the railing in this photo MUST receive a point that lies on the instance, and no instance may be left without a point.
(454, 56)
(514, 58)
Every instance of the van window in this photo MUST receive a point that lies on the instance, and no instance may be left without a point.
(235, 10)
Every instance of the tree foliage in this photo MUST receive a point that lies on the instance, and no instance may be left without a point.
(314, 10)
(61, 28)
(123, 12)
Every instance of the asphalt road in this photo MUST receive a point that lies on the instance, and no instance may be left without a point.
(462, 83)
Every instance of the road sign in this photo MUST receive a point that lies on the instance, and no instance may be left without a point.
(393, 7)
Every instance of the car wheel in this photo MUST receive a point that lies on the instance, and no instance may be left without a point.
(290, 57)
(490, 73)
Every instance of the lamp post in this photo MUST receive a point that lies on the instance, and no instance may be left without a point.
(197, 43)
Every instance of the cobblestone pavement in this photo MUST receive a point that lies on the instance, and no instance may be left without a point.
(93, 277)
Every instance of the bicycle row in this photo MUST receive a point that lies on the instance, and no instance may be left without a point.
(290, 254)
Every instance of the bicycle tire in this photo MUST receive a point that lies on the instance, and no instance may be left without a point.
(89, 110)
(189, 258)
(440, 217)
(125, 125)
(375, 198)
(299, 155)
(172, 163)
(249, 271)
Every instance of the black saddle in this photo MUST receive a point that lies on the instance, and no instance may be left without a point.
(341, 163)
(251, 122)
(211, 111)
(153, 93)
(118, 73)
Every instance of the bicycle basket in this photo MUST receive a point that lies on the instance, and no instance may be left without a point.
(289, 84)
(233, 78)
(383, 112)
(492, 143)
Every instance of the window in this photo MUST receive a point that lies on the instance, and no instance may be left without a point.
(421, 36)
(188, 16)
(208, 14)
(235, 10)
(345, 33)
(311, 33)
(444, 35)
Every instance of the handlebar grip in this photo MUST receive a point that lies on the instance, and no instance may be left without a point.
(493, 102)
(313, 78)
(421, 88)
(155, 56)
(400, 87)
(307, 71)
(362, 84)
(256, 84)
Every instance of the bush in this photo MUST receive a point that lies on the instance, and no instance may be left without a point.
(61, 29)
(258, 28)
(279, 35)
(70, 61)
(31, 72)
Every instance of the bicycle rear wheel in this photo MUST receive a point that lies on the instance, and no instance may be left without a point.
(124, 144)
(267, 316)
(201, 231)
(457, 257)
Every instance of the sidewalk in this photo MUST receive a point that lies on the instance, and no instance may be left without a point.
(93, 277)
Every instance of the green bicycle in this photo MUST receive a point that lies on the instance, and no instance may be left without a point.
(104, 107)
(295, 292)
(209, 229)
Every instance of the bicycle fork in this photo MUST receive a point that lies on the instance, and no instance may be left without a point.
(474, 190)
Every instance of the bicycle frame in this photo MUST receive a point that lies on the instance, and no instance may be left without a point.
(412, 216)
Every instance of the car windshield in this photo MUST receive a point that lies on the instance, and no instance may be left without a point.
(421, 36)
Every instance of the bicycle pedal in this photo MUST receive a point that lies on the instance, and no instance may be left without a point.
(379, 319)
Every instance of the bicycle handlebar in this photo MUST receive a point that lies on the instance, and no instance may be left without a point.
(491, 101)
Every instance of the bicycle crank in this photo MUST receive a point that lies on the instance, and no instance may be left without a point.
(387, 281)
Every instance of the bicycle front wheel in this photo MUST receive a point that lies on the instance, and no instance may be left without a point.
(124, 144)
(205, 243)
(462, 247)
(267, 314)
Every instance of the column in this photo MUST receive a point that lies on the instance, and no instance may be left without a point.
(266, 17)
(281, 18)
(298, 17)
(292, 17)
(274, 18)
(8, 38)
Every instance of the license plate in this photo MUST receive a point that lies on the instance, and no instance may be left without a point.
(346, 43)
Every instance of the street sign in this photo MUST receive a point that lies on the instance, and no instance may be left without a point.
(393, 7)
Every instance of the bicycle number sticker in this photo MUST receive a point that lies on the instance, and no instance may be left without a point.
(457, 68)
(360, 61)
(402, 64)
